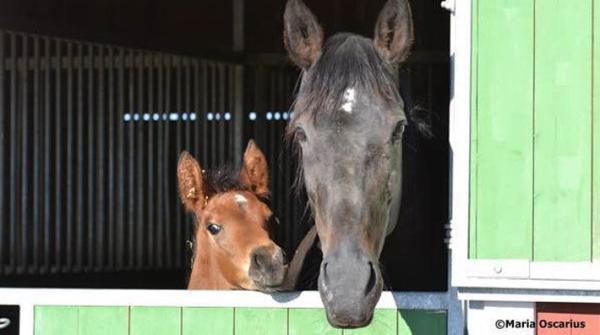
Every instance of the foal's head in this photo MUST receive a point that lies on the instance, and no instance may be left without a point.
(233, 248)
(348, 123)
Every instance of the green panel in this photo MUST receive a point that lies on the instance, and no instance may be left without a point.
(504, 129)
(385, 322)
(103, 320)
(260, 321)
(155, 321)
(309, 321)
(473, 139)
(53, 320)
(596, 144)
(207, 321)
(562, 167)
(419, 322)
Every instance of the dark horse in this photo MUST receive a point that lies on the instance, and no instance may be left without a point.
(348, 123)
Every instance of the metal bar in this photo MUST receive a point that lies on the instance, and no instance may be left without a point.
(80, 208)
(259, 102)
(91, 192)
(25, 217)
(160, 204)
(231, 126)
(69, 145)
(221, 123)
(188, 103)
(178, 218)
(150, 161)
(3, 219)
(140, 161)
(111, 236)
(57, 157)
(167, 176)
(120, 221)
(99, 169)
(238, 112)
(47, 155)
(238, 25)
(13, 155)
(286, 200)
(213, 109)
(188, 139)
(203, 145)
(36, 157)
(196, 92)
(131, 159)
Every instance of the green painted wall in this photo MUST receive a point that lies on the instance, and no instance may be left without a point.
(535, 140)
(68, 320)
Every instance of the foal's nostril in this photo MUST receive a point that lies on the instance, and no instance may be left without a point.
(372, 279)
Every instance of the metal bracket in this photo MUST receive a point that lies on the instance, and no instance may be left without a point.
(4, 323)
(449, 5)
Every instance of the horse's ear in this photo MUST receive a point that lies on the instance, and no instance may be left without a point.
(254, 174)
(189, 180)
(302, 34)
(394, 31)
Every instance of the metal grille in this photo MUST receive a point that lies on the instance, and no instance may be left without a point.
(89, 138)
(90, 135)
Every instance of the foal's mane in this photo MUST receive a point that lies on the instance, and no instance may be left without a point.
(223, 179)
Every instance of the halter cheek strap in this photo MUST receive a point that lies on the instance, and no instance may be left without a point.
(289, 283)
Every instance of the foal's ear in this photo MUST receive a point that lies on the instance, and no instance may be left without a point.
(394, 31)
(302, 34)
(255, 173)
(189, 180)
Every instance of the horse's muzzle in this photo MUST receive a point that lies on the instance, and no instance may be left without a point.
(350, 287)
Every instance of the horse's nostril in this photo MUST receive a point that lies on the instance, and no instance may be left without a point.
(372, 279)
(325, 272)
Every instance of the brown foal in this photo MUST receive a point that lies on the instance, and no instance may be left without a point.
(233, 248)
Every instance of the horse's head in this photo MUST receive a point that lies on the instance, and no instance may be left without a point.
(348, 123)
(232, 224)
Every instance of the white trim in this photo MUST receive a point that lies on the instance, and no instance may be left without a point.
(199, 298)
(26, 325)
(459, 135)
(523, 274)
(528, 284)
(577, 271)
(529, 295)
(498, 268)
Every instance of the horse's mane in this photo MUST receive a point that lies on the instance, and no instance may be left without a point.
(347, 60)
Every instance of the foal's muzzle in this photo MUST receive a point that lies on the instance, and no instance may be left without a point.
(267, 267)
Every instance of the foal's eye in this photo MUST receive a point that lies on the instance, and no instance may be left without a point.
(213, 229)
(300, 135)
(397, 133)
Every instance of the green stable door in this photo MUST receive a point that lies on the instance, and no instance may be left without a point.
(535, 130)
(66, 320)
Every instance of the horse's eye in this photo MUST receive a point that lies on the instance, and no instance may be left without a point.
(300, 135)
(398, 131)
(213, 229)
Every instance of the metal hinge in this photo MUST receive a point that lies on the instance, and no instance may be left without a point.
(449, 5)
